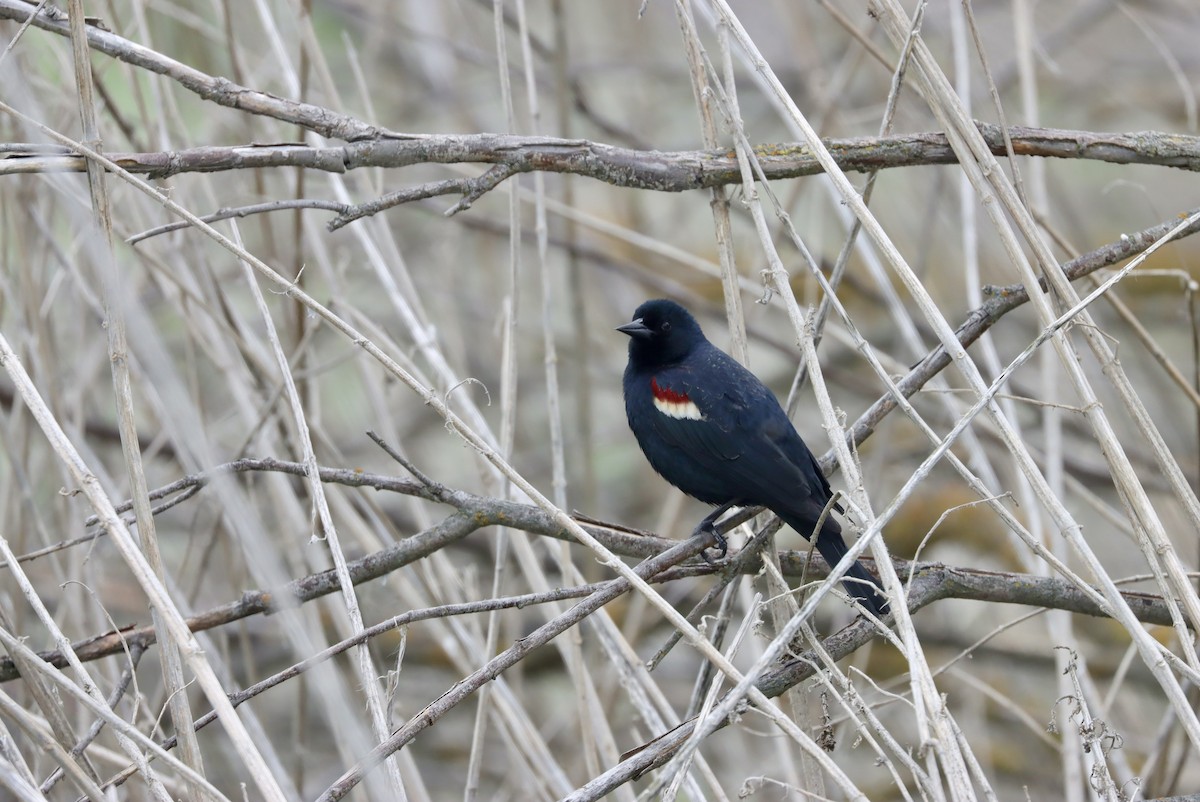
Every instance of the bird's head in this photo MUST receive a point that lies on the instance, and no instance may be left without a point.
(662, 332)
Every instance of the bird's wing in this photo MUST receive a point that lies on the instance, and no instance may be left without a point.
(691, 418)
(741, 431)
(796, 483)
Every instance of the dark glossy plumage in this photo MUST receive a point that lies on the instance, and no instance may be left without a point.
(713, 430)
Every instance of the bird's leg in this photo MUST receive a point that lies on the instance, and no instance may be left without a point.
(709, 525)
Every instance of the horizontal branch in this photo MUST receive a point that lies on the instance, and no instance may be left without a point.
(659, 171)
(662, 171)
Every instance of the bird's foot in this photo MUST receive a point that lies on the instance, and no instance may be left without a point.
(709, 527)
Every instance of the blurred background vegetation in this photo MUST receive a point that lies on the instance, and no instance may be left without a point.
(457, 298)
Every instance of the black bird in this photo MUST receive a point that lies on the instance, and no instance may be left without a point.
(713, 430)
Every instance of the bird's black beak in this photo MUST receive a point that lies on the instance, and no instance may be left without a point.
(637, 329)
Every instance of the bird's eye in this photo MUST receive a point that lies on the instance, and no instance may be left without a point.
(666, 326)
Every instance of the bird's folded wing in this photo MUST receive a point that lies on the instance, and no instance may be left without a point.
(760, 458)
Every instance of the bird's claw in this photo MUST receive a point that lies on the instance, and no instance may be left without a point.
(722, 545)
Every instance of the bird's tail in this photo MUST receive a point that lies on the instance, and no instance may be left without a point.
(858, 583)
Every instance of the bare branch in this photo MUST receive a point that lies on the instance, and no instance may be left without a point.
(663, 171)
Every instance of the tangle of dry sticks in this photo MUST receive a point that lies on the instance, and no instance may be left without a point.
(441, 307)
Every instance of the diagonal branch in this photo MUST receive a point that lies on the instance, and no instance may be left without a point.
(1001, 301)
(209, 87)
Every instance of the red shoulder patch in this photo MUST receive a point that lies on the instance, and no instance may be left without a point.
(667, 395)
(673, 403)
